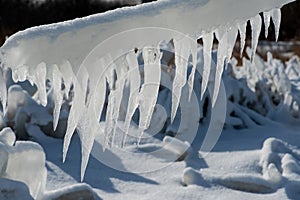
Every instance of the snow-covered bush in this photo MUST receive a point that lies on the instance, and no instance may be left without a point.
(24, 162)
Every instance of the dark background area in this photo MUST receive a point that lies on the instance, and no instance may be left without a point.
(18, 15)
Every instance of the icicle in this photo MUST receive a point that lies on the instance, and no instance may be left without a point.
(99, 94)
(86, 129)
(3, 91)
(256, 23)
(77, 108)
(222, 36)
(267, 18)
(149, 92)
(21, 73)
(276, 18)
(121, 72)
(89, 120)
(232, 35)
(182, 51)
(66, 71)
(135, 81)
(193, 45)
(242, 30)
(57, 93)
(111, 79)
(40, 81)
(109, 119)
(207, 48)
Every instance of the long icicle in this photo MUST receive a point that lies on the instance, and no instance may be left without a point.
(135, 81)
(222, 36)
(276, 18)
(256, 23)
(149, 92)
(182, 52)
(242, 30)
(267, 20)
(207, 48)
(57, 93)
(193, 45)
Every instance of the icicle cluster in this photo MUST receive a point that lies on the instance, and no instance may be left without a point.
(90, 90)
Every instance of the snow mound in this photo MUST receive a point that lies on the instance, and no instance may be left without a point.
(29, 156)
(279, 165)
(7, 136)
(77, 191)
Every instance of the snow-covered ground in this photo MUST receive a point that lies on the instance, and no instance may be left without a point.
(233, 170)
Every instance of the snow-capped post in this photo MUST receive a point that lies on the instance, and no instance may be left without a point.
(78, 47)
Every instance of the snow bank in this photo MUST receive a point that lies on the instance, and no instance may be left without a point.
(26, 163)
(7, 136)
(278, 168)
(77, 191)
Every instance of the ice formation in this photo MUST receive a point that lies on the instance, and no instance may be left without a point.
(61, 49)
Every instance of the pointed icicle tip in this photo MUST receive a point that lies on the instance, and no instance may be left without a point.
(207, 48)
(267, 19)
(193, 45)
(276, 18)
(242, 30)
(256, 23)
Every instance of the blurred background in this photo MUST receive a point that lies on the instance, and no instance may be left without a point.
(18, 15)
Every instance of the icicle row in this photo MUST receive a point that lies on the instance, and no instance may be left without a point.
(86, 109)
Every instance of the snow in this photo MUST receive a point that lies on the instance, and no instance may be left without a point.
(32, 53)
(25, 155)
(166, 148)
(7, 136)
